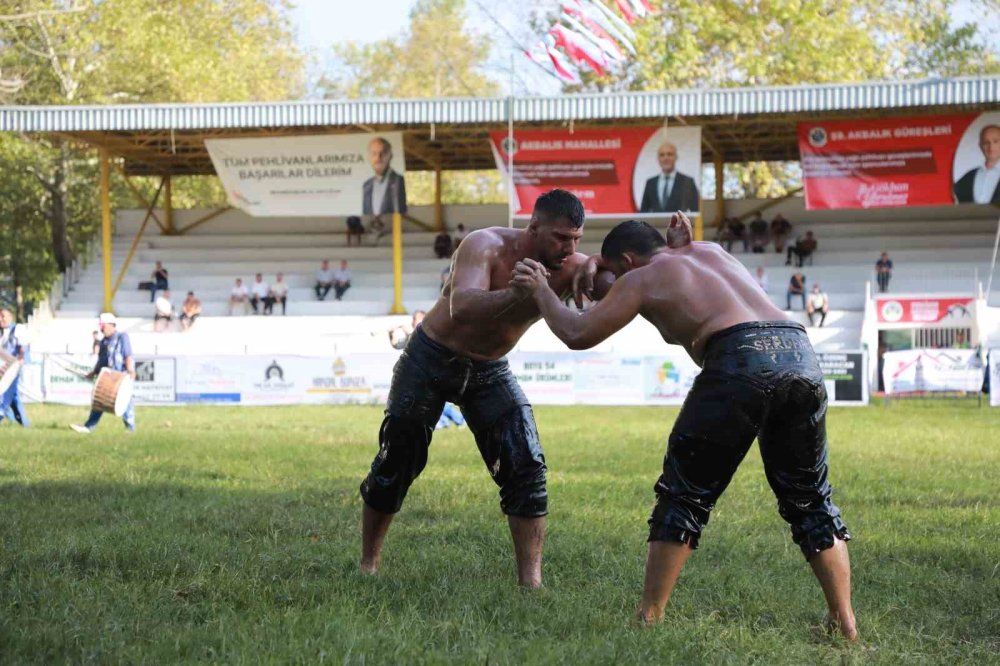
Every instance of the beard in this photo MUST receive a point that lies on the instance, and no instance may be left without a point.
(552, 263)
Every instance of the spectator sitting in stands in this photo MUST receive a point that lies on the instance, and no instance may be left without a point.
(190, 311)
(796, 287)
(277, 294)
(324, 280)
(960, 341)
(164, 312)
(160, 280)
(758, 234)
(378, 229)
(883, 272)
(736, 230)
(761, 278)
(238, 297)
(258, 292)
(341, 280)
(818, 303)
(443, 246)
(354, 229)
(780, 228)
(803, 249)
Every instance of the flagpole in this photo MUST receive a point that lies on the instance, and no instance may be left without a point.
(510, 148)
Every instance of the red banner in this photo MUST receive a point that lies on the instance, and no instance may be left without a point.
(893, 162)
(614, 170)
(924, 310)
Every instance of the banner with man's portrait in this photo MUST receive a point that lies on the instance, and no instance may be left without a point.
(321, 175)
(894, 162)
(613, 170)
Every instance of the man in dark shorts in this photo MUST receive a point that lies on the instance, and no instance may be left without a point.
(760, 378)
(457, 355)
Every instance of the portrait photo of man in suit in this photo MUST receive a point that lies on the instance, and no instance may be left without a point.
(982, 184)
(670, 190)
(385, 192)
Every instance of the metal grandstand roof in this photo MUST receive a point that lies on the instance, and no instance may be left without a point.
(739, 123)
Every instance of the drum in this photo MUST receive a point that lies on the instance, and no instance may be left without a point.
(112, 392)
(9, 367)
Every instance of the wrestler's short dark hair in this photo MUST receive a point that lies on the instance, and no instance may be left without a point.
(632, 236)
(556, 204)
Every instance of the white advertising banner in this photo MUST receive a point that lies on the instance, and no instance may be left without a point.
(930, 370)
(558, 378)
(155, 381)
(63, 378)
(320, 175)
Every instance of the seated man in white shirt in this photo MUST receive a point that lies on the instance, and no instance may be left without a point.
(341, 280)
(238, 297)
(258, 292)
(164, 312)
(324, 280)
(278, 294)
(817, 304)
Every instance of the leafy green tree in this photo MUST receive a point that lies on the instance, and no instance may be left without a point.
(122, 51)
(437, 55)
(723, 43)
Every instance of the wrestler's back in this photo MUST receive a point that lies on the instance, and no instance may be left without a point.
(490, 339)
(695, 291)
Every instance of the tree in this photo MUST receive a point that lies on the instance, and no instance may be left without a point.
(121, 51)
(437, 55)
(724, 43)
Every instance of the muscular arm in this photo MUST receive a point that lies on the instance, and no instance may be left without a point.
(471, 299)
(584, 330)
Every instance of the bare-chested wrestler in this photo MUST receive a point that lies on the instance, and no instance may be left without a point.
(760, 378)
(457, 355)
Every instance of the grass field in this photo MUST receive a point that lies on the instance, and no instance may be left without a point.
(231, 535)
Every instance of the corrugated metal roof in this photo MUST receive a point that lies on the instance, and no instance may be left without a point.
(688, 103)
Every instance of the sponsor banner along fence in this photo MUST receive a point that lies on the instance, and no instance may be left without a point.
(322, 175)
(893, 162)
(932, 370)
(925, 310)
(613, 170)
(557, 378)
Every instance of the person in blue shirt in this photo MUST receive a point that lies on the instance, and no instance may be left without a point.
(11, 406)
(115, 353)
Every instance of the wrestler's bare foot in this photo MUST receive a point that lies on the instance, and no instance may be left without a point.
(370, 567)
(647, 617)
(845, 626)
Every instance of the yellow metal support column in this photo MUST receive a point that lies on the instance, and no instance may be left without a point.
(720, 199)
(438, 208)
(397, 264)
(106, 227)
(168, 206)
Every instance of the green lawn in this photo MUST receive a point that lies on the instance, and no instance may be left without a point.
(231, 535)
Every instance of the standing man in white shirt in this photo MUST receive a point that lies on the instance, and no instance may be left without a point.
(164, 312)
(279, 294)
(324, 280)
(982, 184)
(341, 280)
(259, 292)
(761, 278)
(238, 297)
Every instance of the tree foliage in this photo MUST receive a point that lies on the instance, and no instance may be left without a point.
(126, 51)
(437, 55)
(726, 43)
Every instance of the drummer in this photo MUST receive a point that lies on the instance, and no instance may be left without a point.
(115, 353)
(11, 406)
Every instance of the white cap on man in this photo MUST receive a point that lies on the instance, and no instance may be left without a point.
(107, 318)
